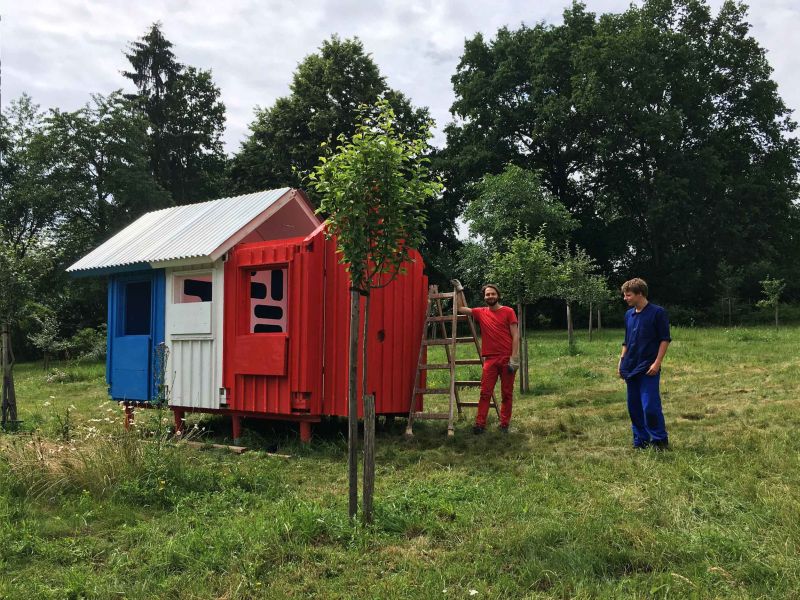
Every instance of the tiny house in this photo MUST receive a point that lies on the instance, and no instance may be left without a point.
(248, 298)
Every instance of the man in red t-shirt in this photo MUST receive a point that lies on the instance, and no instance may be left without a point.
(500, 352)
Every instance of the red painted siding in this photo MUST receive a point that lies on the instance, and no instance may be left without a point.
(282, 373)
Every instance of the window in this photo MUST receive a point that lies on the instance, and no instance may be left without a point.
(191, 288)
(138, 304)
(268, 300)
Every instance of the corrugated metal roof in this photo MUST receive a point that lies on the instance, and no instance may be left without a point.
(193, 230)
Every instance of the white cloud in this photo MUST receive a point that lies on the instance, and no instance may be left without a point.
(62, 51)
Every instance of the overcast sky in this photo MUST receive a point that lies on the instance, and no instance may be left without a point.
(62, 51)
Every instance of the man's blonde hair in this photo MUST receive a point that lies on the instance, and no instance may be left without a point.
(635, 286)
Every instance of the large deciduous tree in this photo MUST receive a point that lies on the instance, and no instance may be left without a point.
(326, 91)
(102, 165)
(327, 88)
(186, 116)
(660, 129)
(512, 201)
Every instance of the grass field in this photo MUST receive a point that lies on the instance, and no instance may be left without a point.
(560, 508)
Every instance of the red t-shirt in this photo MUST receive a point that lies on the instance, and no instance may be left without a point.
(495, 329)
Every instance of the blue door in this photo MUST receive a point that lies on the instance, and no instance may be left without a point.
(135, 328)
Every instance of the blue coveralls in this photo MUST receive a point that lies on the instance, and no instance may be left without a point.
(644, 332)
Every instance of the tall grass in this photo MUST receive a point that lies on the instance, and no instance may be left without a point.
(561, 507)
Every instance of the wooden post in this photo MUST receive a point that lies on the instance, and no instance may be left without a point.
(523, 365)
(368, 403)
(9, 402)
(570, 334)
(369, 456)
(525, 379)
(352, 406)
(128, 416)
(591, 313)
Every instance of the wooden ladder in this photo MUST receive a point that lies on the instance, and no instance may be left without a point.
(436, 322)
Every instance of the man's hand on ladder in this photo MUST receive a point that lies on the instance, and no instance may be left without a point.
(457, 285)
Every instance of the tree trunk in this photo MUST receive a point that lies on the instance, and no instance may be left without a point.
(368, 402)
(591, 313)
(570, 331)
(776, 315)
(369, 456)
(9, 396)
(352, 405)
(599, 321)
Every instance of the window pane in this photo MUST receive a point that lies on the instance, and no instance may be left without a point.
(268, 301)
(137, 308)
(192, 288)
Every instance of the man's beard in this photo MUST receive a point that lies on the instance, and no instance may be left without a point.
(491, 301)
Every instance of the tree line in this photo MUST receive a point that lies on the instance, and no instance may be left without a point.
(653, 142)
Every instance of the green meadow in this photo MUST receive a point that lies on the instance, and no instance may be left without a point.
(562, 507)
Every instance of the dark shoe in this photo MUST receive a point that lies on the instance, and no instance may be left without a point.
(660, 445)
(504, 429)
(477, 429)
(643, 446)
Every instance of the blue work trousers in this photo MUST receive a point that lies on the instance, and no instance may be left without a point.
(644, 407)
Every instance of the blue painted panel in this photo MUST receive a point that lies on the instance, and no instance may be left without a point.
(130, 370)
(135, 327)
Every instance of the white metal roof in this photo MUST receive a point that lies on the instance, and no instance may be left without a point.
(181, 232)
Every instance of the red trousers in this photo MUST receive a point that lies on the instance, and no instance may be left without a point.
(494, 367)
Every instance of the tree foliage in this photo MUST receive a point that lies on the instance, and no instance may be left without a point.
(512, 201)
(772, 290)
(186, 119)
(327, 89)
(526, 271)
(374, 188)
(103, 163)
(659, 129)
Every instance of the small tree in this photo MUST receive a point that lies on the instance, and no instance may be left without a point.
(17, 277)
(772, 289)
(596, 295)
(46, 340)
(729, 281)
(525, 274)
(374, 189)
(573, 272)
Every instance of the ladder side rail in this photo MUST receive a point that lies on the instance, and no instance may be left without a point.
(420, 360)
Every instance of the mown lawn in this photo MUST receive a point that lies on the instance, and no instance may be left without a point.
(560, 508)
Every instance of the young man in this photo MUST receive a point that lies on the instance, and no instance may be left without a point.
(646, 342)
(500, 352)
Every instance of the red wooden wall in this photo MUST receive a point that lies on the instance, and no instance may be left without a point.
(282, 373)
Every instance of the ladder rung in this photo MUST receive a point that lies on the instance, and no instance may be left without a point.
(468, 383)
(463, 340)
(421, 415)
(473, 404)
(439, 342)
(432, 390)
(435, 366)
(448, 296)
(446, 318)
(468, 361)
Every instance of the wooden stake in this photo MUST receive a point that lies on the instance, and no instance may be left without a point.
(369, 457)
(9, 402)
(570, 336)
